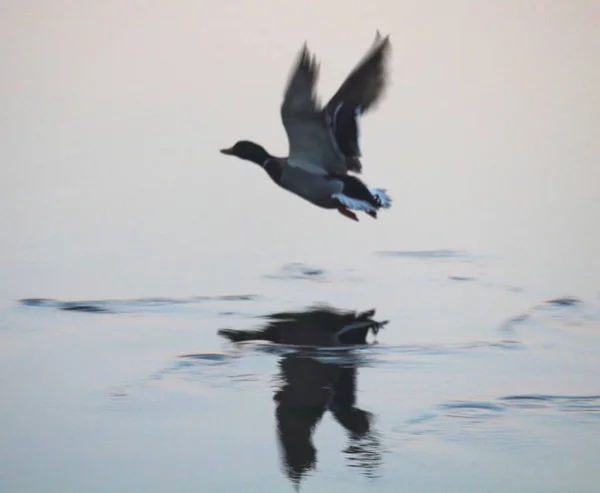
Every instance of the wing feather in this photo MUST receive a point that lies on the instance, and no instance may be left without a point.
(312, 145)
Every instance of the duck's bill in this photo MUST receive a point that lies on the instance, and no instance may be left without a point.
(229, 151)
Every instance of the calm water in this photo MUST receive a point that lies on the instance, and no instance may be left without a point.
(476, 383)
(129, 241)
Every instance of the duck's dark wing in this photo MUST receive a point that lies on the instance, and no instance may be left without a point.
(312, 145)
(359, 93)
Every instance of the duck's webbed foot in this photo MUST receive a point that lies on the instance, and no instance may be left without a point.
(348, 213)
(373, 214)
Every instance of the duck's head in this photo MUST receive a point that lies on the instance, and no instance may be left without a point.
(245, 149)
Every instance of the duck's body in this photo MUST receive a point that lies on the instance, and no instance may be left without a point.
(332, 191)
(317, 326)
(324, 141)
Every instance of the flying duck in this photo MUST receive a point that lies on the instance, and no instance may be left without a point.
(323, 142)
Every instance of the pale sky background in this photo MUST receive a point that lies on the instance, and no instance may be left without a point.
(113, 113)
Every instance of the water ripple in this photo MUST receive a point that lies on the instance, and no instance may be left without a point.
(564, 403)
(131, 305)
(427, 254)
(473, 410)
(376, 354)
(496, 419)
(299, 271)
(567, 311)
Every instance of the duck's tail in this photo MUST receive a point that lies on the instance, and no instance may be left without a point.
(382, 197)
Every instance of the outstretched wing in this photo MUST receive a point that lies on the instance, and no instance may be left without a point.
(359, 93)
(312, 145)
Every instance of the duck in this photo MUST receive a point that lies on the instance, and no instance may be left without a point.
(312, 381)
(324, 141)
(320, 325)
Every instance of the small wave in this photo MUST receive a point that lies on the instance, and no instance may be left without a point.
(198, 372)
(374, 353)
(80, 306)
(500, 420)
(426, 254)
(127, 306)
(461, 278)
(565, 403)
(471, 409)
(208, 358)
(450, 348)
(458, 421)
(566, 301)
(300, 271)
(566, 311)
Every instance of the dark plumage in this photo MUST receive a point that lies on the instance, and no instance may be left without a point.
(308, 387)
(323, 142)
(319, 326)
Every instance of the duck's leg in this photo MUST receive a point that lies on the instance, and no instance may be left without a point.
(345, 212)
(373, 214)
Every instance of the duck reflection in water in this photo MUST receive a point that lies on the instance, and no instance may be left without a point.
(310, 384)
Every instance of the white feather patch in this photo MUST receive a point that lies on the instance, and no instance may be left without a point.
(361, 205)
(384, 198)
(353, 204)
(357, 325)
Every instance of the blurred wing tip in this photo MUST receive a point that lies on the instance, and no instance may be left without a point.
(382, 43)
(379, 37)
(304, 56)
